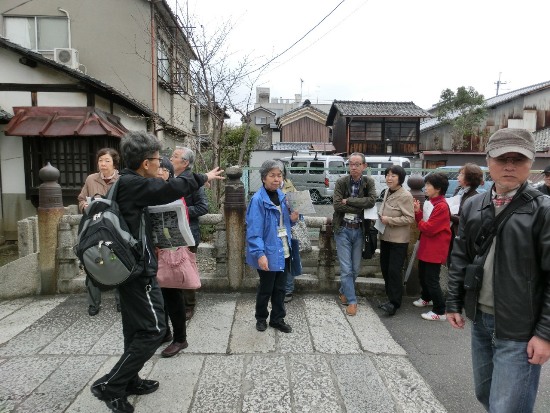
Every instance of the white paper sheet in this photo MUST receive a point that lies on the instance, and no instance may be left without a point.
(371, 213)
(300, 201)
(379, 225)
(427, 210)
(165, 234)
(454, 203)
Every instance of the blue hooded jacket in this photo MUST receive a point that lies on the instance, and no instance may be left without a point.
(262, 221)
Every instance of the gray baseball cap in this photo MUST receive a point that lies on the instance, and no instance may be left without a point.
(511, 140)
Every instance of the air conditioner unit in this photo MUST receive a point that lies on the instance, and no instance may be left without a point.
(67, 57)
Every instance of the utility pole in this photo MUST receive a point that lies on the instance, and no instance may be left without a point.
(499, 82)
(301, 85)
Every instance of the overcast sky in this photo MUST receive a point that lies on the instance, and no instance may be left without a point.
(386, 50)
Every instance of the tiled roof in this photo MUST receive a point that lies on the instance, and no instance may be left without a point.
(491, 102)
(376, 109)
(262, 108)
(5, 116)
(84, 78)
(310, 107)
(291, 146)
(542, 139)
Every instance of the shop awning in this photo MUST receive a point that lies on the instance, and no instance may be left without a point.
(50, 122)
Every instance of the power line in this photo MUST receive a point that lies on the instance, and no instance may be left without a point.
(295, 43)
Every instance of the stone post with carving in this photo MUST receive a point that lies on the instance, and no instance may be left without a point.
(234, 213)
(50, 211)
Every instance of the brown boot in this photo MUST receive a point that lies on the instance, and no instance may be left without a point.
(351, 309)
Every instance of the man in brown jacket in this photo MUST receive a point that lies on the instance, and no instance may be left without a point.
(352, 194)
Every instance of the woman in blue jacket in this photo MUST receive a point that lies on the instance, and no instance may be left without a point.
(268, 222)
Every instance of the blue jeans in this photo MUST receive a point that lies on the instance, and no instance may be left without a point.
(289, 287)
(503, 378)
(349, 246)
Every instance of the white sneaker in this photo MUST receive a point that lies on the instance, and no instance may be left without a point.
(430, 315)
(421, 303)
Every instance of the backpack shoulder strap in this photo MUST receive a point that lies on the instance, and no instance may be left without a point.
(113, 191)
(485, 237)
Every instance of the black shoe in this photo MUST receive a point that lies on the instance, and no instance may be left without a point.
(261, 325)
(168, 337)
(98, 389)
(142, 386)
(120, 405)
(388, 308)
(281, 326)
(118, 308)
(93, 310)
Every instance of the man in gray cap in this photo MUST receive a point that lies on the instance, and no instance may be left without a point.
(545, 186)
(501, 277)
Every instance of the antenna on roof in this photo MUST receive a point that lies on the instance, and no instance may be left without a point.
(499, 82)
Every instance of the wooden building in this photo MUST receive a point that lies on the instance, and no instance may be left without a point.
(376, 128)
(304, 124)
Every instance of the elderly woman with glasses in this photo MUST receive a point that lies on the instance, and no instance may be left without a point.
(268, 223)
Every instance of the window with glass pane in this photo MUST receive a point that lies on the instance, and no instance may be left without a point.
(52, 33)
(38, 33)
(374, 131)
(317, 167)
(163, 62)
(298, 166)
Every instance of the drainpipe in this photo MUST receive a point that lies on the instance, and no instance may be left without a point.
(68, 24)
(153, 69)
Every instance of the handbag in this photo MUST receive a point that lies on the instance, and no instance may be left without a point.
(299, 233)
(177, 268)
(371, 240)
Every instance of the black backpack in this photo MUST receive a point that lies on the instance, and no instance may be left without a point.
(105, 247)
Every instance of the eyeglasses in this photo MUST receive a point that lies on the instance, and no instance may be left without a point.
(504, 160)
(356, 165)
(152, 159)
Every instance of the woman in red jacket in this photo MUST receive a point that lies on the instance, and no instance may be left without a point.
(435, 237)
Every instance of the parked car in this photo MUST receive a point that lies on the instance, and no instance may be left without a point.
(315, 173)
(452, 174)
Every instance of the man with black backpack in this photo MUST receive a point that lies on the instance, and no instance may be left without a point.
(500, 275)
(143, 320)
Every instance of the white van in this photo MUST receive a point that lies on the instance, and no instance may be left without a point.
(315, 173)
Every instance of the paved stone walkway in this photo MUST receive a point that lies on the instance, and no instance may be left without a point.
(51, 351)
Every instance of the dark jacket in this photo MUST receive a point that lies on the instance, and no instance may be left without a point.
(197, 205)
(544, 189)
(521, 279)
(135, 193)
(455, 219)
(342, 190)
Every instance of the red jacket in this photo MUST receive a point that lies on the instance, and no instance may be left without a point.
(435, 235)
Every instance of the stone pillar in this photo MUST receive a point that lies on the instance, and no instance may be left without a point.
(50, 211)
(234, 212)
(416, 183)
(327, 258)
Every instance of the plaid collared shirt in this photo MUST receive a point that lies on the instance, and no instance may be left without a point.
(503, 199)
(354, 193)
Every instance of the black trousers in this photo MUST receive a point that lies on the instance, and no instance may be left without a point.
(174, 307)
(272, 286)
(392, 258)
(428, 272)
(190, 296)
(143, 327)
